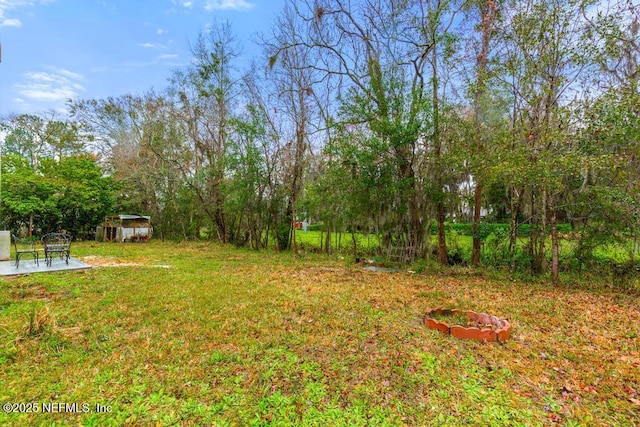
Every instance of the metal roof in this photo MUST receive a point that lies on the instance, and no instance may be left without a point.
(130, 217)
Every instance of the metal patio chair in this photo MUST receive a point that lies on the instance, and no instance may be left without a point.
(56, 244)
(25, 247)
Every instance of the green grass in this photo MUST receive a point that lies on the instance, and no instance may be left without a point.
(199, 334)
(494, 251)
(340, 242)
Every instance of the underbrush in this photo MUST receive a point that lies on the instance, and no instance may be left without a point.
(588, 264)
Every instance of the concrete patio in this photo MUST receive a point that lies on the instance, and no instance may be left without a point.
(28, 266)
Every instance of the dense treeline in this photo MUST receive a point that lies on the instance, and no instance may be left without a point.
(394, 118)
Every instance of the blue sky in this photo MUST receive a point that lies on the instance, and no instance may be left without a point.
(53, 50)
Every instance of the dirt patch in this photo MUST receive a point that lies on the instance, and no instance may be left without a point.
(97, 261)
(37, 293)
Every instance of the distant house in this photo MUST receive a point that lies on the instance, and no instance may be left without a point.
(125, 228)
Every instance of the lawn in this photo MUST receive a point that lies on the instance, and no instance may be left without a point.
(199, 334)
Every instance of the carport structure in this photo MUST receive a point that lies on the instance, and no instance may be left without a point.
(125, 228)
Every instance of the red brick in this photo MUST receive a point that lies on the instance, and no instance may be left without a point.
(504, 333)
(488, 335)
(465, 333)
(484, 318)
(438, 326)
(496, 321)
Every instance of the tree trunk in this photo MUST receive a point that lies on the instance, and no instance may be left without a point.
(538, 232)
(555, 247)
(440, 216)
(293, 226)
(414, 238)
(221, 226)
(513, 232)
(442, 242)
(284, 229)
(542, 243)
(634, 251)
(477, 206)
(416, 228)
(354, 241)
(327, 240)
(486, 25)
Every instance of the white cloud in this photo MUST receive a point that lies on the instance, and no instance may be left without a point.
(69, 74)
(101, 69)
(209, 5)
(12, 4)
(161, 31)
(148, 45)
(228, 5)
(7, 22)
(6, 5)
(184, 3)
(54, 85)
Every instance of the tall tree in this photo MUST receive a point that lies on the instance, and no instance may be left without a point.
(381, 53)
(27, 136)
(142, 147)
(487, 13)
(294, 84)
(205, 93)
(543, 62)
(612, 124)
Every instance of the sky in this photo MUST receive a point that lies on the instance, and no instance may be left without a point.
(53, 50)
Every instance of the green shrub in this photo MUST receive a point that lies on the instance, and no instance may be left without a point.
(486, 229)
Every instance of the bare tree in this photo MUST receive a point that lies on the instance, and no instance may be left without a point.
(487, 13)
(294, 83)
(205, 93)
(381, 52)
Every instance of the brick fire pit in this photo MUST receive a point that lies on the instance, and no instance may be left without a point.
(480, 326)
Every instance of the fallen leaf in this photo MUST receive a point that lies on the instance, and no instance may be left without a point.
(554, 418)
